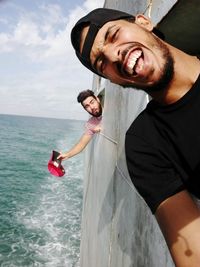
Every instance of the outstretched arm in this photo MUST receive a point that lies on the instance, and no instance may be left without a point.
(85, 139)
(179, 220)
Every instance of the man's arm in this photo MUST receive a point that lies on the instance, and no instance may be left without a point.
(179, 220)
(85, 139)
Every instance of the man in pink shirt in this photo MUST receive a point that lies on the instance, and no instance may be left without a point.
(92, 105)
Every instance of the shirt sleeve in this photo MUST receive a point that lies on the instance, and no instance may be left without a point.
(91, 124)
(88, 129)
(151, 172)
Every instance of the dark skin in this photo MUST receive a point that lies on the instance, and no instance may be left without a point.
(108, 57)
(129, 54)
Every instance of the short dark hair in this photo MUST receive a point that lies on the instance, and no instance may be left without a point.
(85, 94)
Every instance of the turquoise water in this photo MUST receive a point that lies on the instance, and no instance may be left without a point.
(40, 214)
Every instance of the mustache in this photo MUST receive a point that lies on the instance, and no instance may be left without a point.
(135, 45)
(120, 64)
(98, 113)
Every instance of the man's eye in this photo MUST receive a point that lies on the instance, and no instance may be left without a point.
(100, 64)
(113, 36)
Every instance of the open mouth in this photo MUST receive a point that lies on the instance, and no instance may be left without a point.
(134, 63)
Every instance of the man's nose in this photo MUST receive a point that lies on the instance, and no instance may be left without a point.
(91, 106)
(112, 52)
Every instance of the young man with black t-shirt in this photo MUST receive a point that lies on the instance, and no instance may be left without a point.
(163, 143)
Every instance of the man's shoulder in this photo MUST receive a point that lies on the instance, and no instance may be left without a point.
(94, 120)
(141, 123)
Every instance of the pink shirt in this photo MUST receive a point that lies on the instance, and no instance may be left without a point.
(91, 124)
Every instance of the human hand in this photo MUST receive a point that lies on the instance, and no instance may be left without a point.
(97, 129)
(63, 156)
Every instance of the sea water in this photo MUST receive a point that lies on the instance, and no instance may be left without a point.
(40, 215)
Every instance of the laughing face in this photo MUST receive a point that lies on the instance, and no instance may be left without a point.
(130, 55)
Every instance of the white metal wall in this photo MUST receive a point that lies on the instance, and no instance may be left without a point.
(118, 229)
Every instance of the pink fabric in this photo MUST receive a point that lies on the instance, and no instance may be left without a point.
(91, 124)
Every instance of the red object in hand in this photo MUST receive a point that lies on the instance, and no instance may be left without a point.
(54, 165)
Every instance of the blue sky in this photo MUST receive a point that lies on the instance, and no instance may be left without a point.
(39, 72)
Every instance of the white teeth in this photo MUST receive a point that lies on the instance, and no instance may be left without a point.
(132, 60)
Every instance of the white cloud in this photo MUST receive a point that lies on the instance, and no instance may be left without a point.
(41, 74)
(27, 33)
(50, 34)
(90, 5)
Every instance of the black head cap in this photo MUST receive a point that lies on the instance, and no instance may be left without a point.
(95, 20)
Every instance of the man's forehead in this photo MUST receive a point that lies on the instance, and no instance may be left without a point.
(88, 100)
(101, 31)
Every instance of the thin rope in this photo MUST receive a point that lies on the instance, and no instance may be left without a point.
(130, 184)
(109, 138)
(149, 8)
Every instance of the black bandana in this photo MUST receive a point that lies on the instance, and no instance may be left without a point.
(95, 19)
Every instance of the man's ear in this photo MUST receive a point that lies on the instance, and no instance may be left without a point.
(144, 22)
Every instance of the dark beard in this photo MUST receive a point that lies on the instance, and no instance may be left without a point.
(97, 114)
(167, 73)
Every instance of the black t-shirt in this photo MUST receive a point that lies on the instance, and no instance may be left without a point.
(163, 148)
